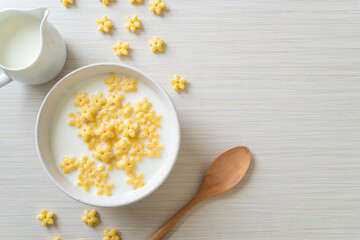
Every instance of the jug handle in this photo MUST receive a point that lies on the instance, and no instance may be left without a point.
(4, 78)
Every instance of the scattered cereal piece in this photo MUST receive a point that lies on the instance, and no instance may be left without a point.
(111, 235)
(149, 133)
(126, 110)
(128, 164)
(179, 83)
(87, 113)
(115, 98)
(123, 147)
(121, 48)
(68, 164)
(74, 120)
(90, 217)
(154, 148)
(104, 154)
(129, 85)
(67, 2)
(135, 180)
(45, 217)
(98, 101)
(106, 131)
(86, 132)
(113, 82)
(156, 6)
(81, 99)
(142, 106)
(132, 23)
(129, 128)
(104, 187)
(106, 2)
(137, 1)
(104, 24)
(138, 151)
(156, 44)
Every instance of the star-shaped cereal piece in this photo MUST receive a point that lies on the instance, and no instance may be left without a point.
(45, 217)
(86, 132)
(156, 44)
(104, 24)
(132, 23)
(106, 2)
(138, 151)
(97, 100)
(113, 82)
(106, 131)
(90, 217)
(133, 1)
(149, 133)
(154, 148)
(85, 165)
(142, 106)
(87, 113)
(66, 3)
(104, 153)
(129, 85)
(135, 180)
(85, 181)
(81, 99)
(68, 164)
(156, 6)
(99, 173)
(122, 147)
(104, 187)
(126, 110)
(129, 128)
(115, 98)
(74, 120)
(111, 235)
(179, 83)
(121, 48)
(128, 164)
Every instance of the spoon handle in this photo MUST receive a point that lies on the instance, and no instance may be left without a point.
(173, 220)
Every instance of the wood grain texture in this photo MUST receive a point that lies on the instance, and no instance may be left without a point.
(280, 77)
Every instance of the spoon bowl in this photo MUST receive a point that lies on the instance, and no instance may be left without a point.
(223, 174)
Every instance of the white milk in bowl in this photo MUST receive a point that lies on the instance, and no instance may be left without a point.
(20, 40)
(65, 140)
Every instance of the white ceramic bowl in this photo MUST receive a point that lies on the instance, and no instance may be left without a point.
(43, 143)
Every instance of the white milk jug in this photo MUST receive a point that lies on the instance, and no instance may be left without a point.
(31, 49)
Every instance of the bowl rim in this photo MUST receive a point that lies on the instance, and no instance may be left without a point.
(154, 186)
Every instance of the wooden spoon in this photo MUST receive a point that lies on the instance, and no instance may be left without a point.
(223, 173)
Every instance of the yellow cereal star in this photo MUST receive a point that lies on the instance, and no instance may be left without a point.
(45, 217)
(156, 44)
(113, 82)
(142, 106)
(156, 6)
(104, 154)
(126, 110)
(81, 99)
(67, 2)
(68, 164)
(104, 24)
(179, 83)
(104, 187)
(138, 151)
(129, 85)
(128, 164)
(111, 235)
(132, 23)
(129, 128)
(135, 180)
(106, 131)
(86, 132)
(115, 98)
(149, 133)
(90, 217)
(97, 100)
(106, 2)
(154, 148)
(121, 48)
(87, 113)
(133, 1)
(122, 147)
(74, 120)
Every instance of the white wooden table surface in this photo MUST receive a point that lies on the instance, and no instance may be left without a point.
(281, 77)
